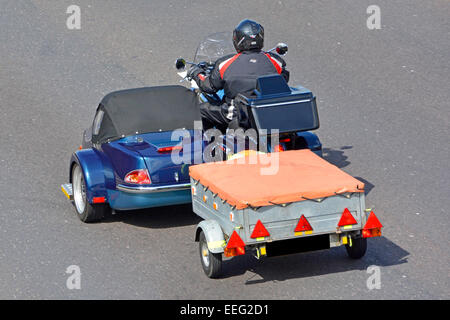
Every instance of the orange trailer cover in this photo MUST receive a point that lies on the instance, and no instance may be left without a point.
(301, 175)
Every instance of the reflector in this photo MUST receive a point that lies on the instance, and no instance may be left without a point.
(235, 246)
(98, 200)
(259, 231)
(346, 219)
(303, 225)
(372, 227)
(372, 222)
(235, 241)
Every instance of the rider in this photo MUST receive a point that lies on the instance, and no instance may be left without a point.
(237, 73)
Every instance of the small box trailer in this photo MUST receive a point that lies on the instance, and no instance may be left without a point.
(307, 204)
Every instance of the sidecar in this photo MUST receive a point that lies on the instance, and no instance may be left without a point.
(137, 152)
(125, 160)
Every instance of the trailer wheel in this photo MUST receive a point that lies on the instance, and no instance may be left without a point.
(211, 262)
(86, 212)
(358, 248)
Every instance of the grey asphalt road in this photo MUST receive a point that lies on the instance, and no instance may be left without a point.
(383, 98)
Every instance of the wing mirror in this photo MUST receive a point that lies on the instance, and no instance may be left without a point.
(180, 64)
(281, 48)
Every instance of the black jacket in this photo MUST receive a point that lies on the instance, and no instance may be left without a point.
(238, 73)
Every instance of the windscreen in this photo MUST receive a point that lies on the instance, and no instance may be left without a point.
(214, 46)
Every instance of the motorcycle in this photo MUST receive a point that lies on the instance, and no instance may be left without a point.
(276, 118)
(134, 154)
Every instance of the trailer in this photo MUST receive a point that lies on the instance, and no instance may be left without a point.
(308, 204)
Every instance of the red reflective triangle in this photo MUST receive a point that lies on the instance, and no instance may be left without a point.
(372, 222)
(303, 225)
(235, 241)
(259, 231)
(346, 219)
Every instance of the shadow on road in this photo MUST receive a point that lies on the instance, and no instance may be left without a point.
(381, 252)
(337, 157)
(161, 217)
(367, 185)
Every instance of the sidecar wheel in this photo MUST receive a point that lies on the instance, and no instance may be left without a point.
(85, 211)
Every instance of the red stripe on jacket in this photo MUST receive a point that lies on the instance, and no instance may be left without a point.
(227, 64)
(275, 63)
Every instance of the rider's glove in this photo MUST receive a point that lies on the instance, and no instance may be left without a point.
(194, 71)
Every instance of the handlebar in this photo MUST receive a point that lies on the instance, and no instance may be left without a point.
(180, 64)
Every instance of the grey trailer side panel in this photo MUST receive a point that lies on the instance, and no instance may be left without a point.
(323, 216)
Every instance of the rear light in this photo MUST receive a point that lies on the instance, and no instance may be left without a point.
(303, 225)
(285, 140)
(278, 148)
(372, 227)
(170, 149)
(138, 177)
(346, 219)
(371, 233)
(233, 252)
(235, 246)
(259, 231)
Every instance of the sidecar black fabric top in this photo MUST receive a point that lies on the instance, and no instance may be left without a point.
(143, 110)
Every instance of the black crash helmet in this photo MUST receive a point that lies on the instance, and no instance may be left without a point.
(248, 35)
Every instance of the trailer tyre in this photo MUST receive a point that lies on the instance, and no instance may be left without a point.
(211, 262)
(358, 248)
